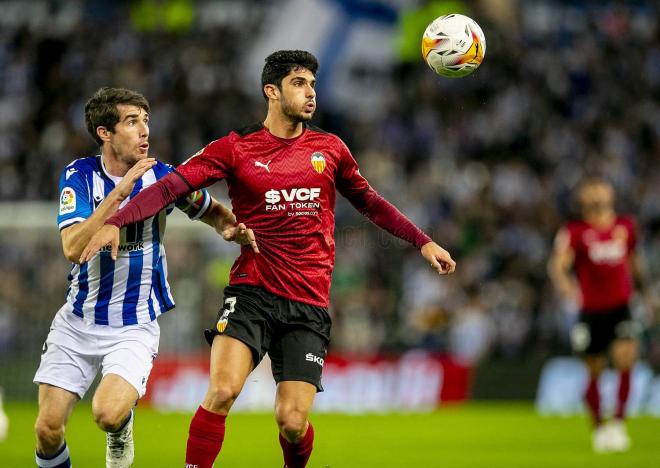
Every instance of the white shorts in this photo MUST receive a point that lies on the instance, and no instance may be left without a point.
(75, 349)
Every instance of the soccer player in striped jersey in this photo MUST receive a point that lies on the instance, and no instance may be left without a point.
(283, 177)
(109, 319)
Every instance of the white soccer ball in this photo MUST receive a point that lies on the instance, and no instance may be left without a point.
(453, 45)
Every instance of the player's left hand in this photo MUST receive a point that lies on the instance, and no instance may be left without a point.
(240, 234)
(107, 235)
(439, 258)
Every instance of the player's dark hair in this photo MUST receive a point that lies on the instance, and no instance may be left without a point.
(279, 64)
(101, 109)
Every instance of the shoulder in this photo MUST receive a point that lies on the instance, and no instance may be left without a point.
(79, 170)
(326, 137)
(84, 165)
(161, 169)
(574, 229)
(247, 131)
(628, 221)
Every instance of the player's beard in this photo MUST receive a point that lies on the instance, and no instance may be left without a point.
(295, 116)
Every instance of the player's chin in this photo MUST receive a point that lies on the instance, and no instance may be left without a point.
(306, 115)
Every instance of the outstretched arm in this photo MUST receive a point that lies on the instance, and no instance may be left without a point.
(382, 213)
(147, 203)
(386, 216)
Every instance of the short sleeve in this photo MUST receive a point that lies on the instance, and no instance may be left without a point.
(75, 202)
(349, 181)
(631, 225)
(210, 164)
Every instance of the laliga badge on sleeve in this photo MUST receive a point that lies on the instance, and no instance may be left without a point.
(67, 201)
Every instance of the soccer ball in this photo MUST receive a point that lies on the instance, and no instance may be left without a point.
(453, 45)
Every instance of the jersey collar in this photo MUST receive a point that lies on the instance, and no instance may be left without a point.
(105, 172)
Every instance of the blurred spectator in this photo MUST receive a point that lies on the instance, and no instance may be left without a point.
(486, 163)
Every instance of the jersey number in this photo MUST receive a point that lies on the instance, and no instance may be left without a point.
(231, 302)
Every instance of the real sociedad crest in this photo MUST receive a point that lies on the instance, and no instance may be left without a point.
(318, 162)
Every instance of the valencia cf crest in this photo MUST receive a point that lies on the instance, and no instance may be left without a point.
(318, 162)
(222, 324)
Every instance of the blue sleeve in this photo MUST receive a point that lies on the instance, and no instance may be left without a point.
(75, 204)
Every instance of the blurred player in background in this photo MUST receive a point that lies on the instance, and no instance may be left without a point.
(600, 248)
(283, 175)
(109, 319)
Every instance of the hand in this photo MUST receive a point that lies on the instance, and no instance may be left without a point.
(108, 234)
(240, 234)
(439, 258)
(125, 186)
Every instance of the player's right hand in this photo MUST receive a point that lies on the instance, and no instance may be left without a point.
(125, 186)
(439, 259)
(107, 235)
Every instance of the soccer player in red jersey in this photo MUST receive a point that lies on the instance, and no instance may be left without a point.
(282, 175)
(600, 249)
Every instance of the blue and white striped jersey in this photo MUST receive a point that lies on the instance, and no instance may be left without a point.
(133, 289)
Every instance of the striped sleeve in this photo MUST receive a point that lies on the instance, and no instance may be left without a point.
(75, 204)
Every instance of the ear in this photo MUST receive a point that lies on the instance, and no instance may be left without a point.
(103, 133)
(272, 92)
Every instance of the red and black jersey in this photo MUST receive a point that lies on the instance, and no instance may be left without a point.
(602, 262)
(285, 191)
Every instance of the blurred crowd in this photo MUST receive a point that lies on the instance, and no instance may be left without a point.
(486, 164)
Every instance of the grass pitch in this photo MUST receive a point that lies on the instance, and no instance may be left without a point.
(470, 436)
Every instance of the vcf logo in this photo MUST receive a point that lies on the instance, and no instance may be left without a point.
(295, 194)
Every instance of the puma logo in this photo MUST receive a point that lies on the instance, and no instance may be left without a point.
(260, 164)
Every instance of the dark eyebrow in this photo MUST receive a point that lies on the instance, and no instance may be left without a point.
(302, 78)
(134, 116)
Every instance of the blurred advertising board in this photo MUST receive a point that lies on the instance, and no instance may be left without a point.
(563, 380)
(413, 381)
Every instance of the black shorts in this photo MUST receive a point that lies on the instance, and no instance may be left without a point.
(596, 330)
(294, 334)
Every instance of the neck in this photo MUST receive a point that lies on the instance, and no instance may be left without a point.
(113, 165)
(601, 220)
(281, 126)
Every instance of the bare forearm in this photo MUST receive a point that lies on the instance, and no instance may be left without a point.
(218, 215)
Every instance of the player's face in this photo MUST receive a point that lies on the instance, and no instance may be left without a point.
(298, 98)
(596, 198)
(130, 140)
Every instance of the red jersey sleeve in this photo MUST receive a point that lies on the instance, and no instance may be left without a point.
(212, 163)
(367, 201)
(631, 225)
(349, 180)
(571, 231)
